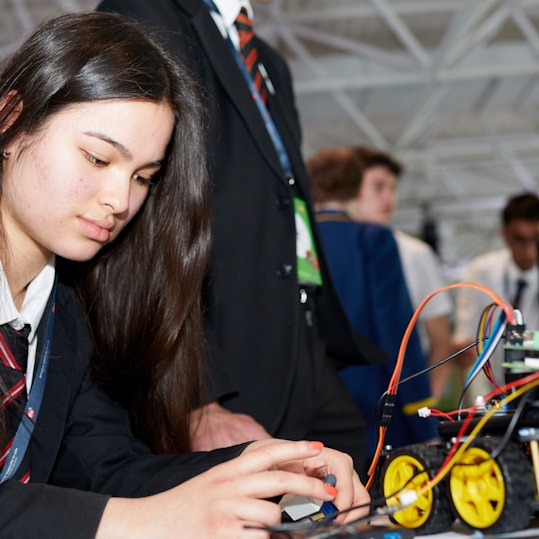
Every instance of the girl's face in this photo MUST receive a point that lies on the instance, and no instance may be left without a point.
(70, 188)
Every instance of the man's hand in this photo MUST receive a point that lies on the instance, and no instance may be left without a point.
(212, 426)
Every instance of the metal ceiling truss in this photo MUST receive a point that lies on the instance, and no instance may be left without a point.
(469, 100)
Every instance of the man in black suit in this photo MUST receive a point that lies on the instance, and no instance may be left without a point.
(270, 334)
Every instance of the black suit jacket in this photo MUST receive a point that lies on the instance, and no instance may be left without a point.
(251, 294)
(82, 440)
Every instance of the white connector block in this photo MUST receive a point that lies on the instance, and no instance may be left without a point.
(408, 497)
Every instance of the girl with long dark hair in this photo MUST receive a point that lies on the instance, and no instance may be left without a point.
(103, 191)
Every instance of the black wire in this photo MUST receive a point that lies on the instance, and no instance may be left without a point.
(441, 362)
(303, 525)
(512, 424)
(380, 403)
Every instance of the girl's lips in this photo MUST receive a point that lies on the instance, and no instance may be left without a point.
(97, 231)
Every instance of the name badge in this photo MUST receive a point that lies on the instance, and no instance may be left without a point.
(308, 266)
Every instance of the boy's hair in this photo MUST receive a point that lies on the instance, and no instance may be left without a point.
(370, 157)
(334, 174)
(524, 206)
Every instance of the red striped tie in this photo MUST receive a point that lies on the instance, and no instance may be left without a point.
(13, 361)
(244, 26)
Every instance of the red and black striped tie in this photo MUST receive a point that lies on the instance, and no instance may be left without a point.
(13, 362)
(244, 26)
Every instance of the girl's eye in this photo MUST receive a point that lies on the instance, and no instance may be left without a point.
(142, 180)
(95, 161)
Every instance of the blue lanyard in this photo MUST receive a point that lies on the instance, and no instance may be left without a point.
(268, 120)
(35, 398)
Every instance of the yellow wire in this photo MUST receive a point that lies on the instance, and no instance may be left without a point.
(481, 331)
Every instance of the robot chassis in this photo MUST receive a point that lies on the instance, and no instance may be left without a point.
(493, 486)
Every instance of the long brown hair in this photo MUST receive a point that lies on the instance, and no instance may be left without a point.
(141, 294)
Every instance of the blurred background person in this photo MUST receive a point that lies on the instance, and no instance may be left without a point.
(512, 272)
(366, 270)
(376, 202)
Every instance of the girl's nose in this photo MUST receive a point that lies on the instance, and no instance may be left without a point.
(115, 194)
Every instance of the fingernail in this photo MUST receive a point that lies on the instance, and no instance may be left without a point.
(316, 445)
(330, 489)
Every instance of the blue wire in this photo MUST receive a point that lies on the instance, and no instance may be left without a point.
(493, 340)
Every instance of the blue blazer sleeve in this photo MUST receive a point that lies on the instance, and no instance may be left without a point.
(367, 273)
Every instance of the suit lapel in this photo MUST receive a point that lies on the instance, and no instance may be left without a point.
(226, 70)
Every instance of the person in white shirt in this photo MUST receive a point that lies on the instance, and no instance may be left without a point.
(500, 271)
(376, 202)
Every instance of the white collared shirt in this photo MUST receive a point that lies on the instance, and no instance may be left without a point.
(35, 301)
(228, 12)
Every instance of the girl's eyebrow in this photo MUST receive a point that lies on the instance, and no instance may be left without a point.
(120, 147)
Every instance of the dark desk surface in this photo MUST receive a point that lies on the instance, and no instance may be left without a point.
(382, 532)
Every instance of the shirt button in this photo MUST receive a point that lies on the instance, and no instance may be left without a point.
(291, 181)
(284, 270)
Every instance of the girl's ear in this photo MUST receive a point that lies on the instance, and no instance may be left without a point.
(10, 108)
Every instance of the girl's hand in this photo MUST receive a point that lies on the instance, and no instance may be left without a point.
(350, 491)
(221, 502)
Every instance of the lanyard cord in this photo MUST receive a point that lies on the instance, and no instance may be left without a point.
(35, 398)
(271, 127)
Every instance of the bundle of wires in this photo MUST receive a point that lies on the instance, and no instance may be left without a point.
(388, 399)
(489, 335)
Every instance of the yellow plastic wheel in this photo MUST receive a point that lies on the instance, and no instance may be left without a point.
(410, 468)
(478, 489)
(406, 470)
(493, 494)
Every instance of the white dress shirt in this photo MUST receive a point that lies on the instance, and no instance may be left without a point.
(228, 12)
(35, 301)
(423, 275)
